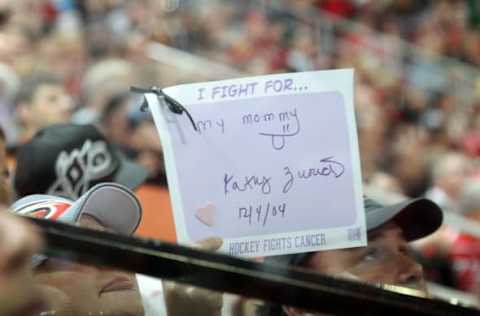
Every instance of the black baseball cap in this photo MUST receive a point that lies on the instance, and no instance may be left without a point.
(68, 159)
(416, 217)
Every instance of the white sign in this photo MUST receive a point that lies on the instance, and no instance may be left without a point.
(274, 166)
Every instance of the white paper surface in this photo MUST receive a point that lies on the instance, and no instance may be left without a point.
(274, 166)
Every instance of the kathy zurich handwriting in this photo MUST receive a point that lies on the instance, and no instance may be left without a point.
(326, 167)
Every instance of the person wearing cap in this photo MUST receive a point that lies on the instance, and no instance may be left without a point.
(68, 159)
(385, 260)
(79, 289)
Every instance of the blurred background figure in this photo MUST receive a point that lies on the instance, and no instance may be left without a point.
(114, 118)
(448, 173)
(465, 250)
(146, 147)
(9, 84)
(102, 81)
(40, 102)
(134, 132)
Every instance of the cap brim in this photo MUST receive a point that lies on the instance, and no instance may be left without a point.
(130, 174)
(113, 205)
(417, 217)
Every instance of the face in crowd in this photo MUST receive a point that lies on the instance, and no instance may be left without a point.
(385, 260)
(18, 242)
(44, 102)
(49, 105)
(75, 289)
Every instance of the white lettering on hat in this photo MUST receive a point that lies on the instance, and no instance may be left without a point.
(76, 170)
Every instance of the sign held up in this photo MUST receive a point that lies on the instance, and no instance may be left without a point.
(273, 166)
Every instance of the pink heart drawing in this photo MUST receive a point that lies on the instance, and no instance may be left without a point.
(206, 214)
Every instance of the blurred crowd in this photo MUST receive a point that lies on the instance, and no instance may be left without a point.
(87, 54)
(417, 73)
(410, 94)
(407, 97)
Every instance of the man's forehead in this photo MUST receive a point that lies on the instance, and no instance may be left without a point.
(90, 221)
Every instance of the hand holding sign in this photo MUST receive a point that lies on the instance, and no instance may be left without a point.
(273, 167)
(183, 299)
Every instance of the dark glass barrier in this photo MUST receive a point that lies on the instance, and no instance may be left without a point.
(233, 275)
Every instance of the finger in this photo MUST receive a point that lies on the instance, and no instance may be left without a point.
(210, 244)
(18, 242)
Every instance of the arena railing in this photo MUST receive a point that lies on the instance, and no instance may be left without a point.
(247, 278)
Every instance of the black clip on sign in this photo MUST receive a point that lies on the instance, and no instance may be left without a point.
(173, 105)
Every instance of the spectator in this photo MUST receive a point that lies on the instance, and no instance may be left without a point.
(465, 250)
(144, 141)
(114, 118)
(147, 151)
(18, 294)
(40, 102)
(72, 158)
(69, 160)
(385, 260)
(86, 289)
(101, 82)
(448, 173)
(9, 84)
